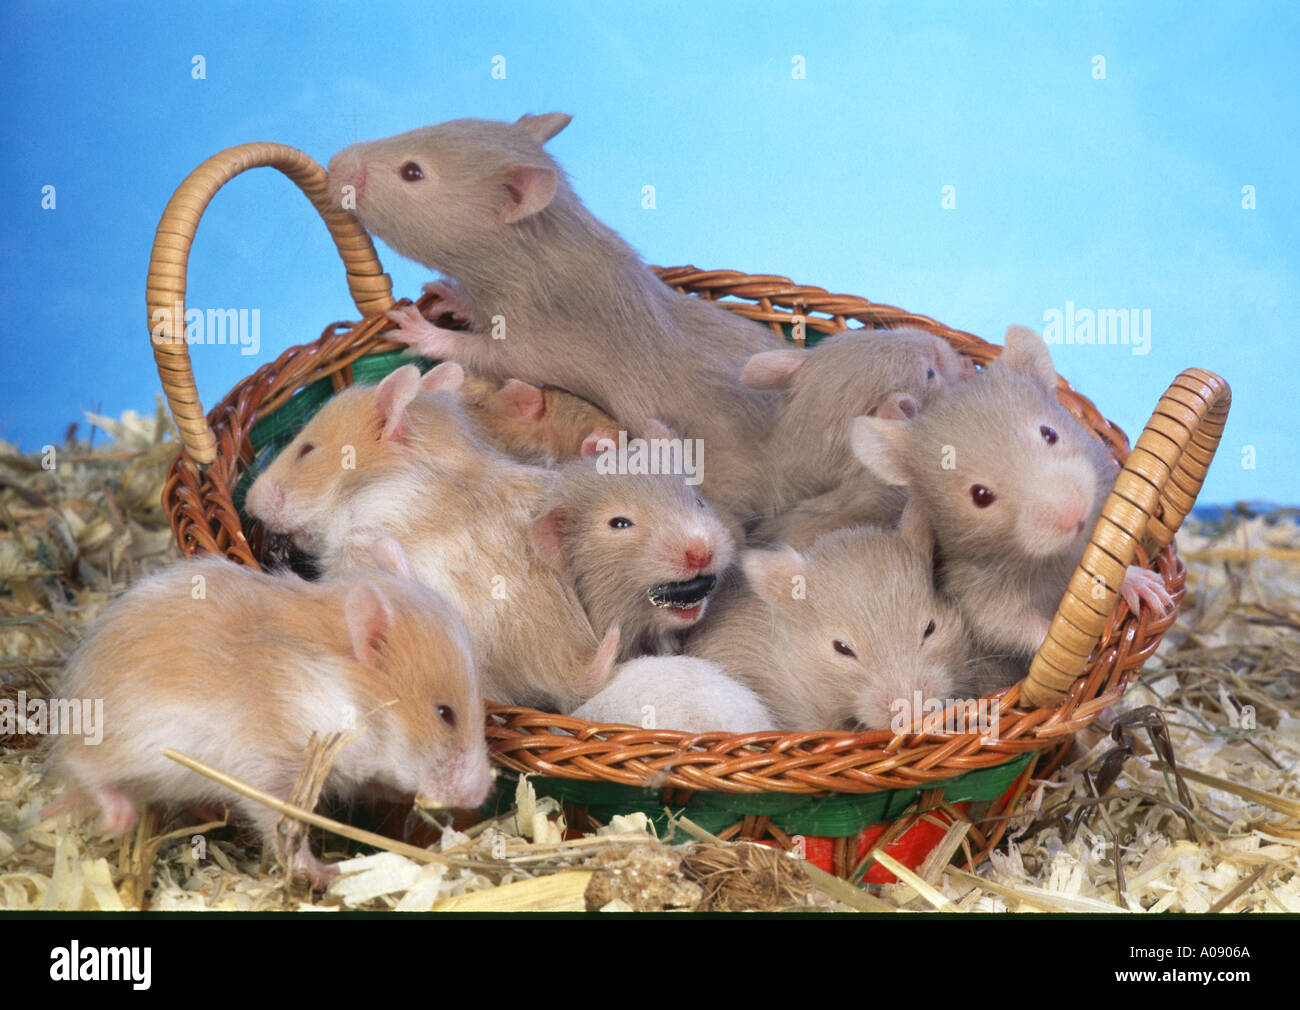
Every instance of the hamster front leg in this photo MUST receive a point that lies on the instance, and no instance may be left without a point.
(450, 301)
(1143, 584)
(305, 863)
(476, 351)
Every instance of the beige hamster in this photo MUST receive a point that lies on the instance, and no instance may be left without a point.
(236, 668)
(401, 459)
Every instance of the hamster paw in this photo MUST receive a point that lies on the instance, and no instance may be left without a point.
(1143, 584)
(320, 875)
(450, 300)
(118, 813)
(421, 335)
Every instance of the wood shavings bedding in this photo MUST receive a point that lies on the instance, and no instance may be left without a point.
(1226, 682)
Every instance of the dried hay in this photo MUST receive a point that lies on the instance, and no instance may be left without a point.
(1185, 798)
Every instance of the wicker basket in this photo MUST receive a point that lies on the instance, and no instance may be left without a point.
(1093, 651)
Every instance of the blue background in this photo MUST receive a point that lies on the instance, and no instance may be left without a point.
(1117, 193)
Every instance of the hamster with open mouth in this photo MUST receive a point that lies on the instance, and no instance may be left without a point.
(643, 550)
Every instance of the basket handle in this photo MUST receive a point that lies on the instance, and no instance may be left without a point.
(371, 288)
(1152, 496)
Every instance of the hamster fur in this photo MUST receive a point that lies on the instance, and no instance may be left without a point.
(265, 660)
(834, 637)
(485, 204)
(643, 551)
(401, 459)
(1012, 485)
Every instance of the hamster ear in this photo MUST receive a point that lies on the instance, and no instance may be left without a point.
(772, 574)
(896, 407)
(601, 667)
(444, 378)
(600, 440)
(520, 401)
(390, 558)
(1027, 352)
(547, 537)
(543, 128)
(528, 189)
(878, 444)
(773, 369)
(392, 398)
(915, 528)
(369, 618)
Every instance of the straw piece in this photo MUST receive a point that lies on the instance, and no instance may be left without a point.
(266, 799)
(558, 892)
(909, 878)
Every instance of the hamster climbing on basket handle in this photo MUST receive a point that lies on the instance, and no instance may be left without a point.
(1152, 495)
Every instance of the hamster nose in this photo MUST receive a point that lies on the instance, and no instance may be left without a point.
(699, 556)
(1069, 519)
(265, 501)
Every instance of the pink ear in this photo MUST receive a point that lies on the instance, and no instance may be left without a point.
(602, 664)
(390, 557)
(896, 407)
(773, 369)
(1027, 352)
(879, 445)
(543, 128)
(369, 618)
(772, 573)
(392, 398)
(600, 440)
(444, 378)
(547, 539)
(529, 189)
(521, 401)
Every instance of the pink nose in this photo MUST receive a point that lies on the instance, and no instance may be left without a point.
(346, 172)
(1069, 519)
(268, 503)
(699, 556)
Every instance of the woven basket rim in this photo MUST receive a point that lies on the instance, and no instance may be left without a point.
(826, 761)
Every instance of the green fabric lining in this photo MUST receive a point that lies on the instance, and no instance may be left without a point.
(838, 816)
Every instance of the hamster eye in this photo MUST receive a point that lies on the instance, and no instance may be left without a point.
(447, 715)
(411, 172)
(843, 649)
(620, 523)
(929, 630)
(700, 502)
(1049, 434)
(982, 496)
(929, 374)
(306, 448)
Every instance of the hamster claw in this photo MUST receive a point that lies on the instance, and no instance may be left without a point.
(450, 301)
(306, 864)
(419, 334)
(1142, 584)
